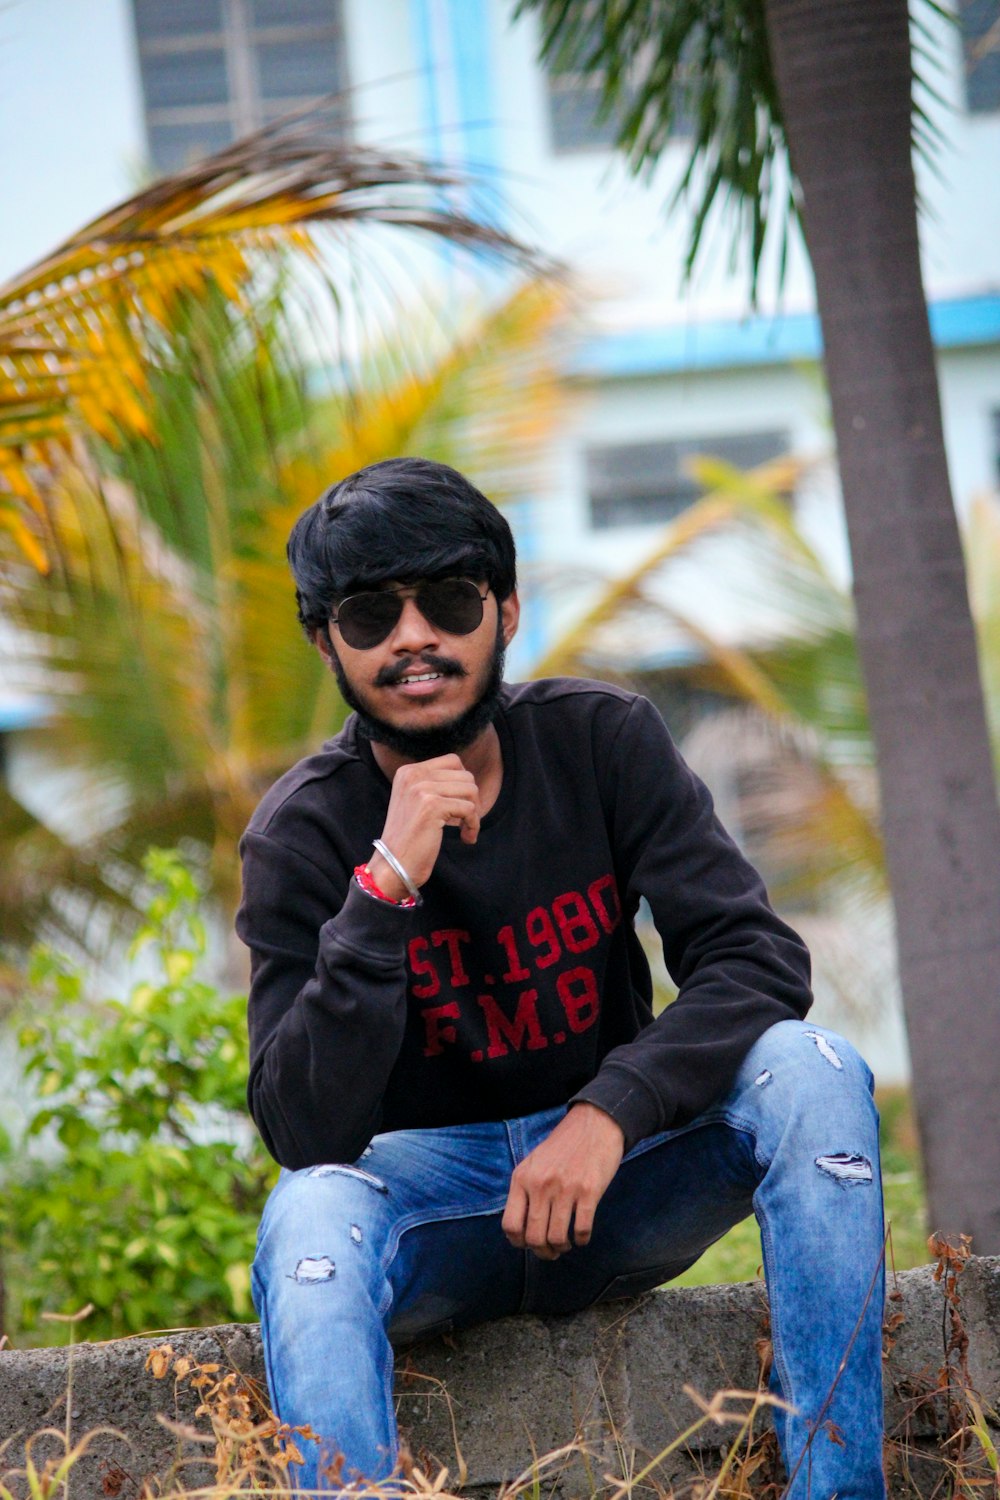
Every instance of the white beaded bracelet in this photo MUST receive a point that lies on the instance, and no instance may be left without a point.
(391, 859)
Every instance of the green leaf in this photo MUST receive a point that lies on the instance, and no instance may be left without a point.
(237, 1278)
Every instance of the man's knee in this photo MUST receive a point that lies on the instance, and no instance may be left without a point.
(804, 1083)
(806, 1054)
(806, 1094)
(322, 1223)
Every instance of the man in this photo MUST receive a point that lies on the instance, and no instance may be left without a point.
(453, 1053)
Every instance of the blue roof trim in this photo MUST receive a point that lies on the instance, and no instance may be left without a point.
(966, 321)
(961, 323)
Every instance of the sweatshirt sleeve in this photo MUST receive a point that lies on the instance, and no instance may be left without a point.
(327, 1004)
(738, 967)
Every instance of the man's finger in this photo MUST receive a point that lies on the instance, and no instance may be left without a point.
(445, 777)
(449, 762)
(512, 1222)
(583, 1221)
(461, 813)
(536, 1227)
(559, 1217)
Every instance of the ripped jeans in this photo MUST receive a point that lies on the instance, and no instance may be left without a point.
(407, 1241)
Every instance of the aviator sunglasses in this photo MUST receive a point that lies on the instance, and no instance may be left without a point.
(454, 605)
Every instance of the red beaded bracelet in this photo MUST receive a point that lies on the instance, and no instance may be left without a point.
(366, 880)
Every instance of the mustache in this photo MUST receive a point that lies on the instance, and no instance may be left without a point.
(391, 675)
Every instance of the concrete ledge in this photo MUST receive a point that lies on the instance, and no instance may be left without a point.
(514, 1388)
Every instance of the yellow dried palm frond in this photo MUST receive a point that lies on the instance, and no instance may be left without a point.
(165, 640)
(733, 494)
(78, 328)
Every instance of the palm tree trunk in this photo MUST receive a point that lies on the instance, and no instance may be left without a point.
(843, 71)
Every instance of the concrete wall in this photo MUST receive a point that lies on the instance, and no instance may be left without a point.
(514, 1388)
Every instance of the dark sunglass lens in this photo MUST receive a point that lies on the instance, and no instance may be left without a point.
(452, 604)
(366, 619)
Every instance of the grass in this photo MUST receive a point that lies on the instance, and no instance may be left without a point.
(737, 1256)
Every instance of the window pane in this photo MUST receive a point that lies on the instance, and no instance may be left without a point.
(636, 484)
(292, 70)
(981, 42)
(166, 18)
(293, 12)
(336, 122)
(573, 116)
(176, 146)
(175, 79)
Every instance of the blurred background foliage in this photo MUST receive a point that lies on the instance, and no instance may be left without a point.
(782, 670)
(137, 1183)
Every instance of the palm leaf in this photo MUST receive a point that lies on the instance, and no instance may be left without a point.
(734, 496)
(813, 830)
(51, 888)
(165, 638)
(794, 748)
(79, 329)
(701, 76)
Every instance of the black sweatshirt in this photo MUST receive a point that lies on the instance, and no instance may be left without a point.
(519, 983)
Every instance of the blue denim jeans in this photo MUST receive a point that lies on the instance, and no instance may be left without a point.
(407, 1241)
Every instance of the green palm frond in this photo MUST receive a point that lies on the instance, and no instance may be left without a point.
(52, 888)
(697, 74)
(700, 76)
(629, 598)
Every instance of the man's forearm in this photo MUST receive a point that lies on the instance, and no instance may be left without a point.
(325, 1035)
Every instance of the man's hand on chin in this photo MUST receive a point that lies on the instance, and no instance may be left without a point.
(561, 1182)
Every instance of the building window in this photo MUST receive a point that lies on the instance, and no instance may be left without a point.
(642, 484)
(576, 121)
(213, 70)
(574, 114)
(981, 45)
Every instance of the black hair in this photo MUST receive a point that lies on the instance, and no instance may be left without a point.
(405, 519)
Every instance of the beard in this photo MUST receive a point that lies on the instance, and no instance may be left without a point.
(440, 739)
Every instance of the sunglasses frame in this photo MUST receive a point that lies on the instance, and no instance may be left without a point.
(415, 588)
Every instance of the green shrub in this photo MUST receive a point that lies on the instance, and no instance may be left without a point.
(138, 1186)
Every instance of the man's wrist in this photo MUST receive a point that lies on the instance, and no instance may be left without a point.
(601, 1118)
(386, 878)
